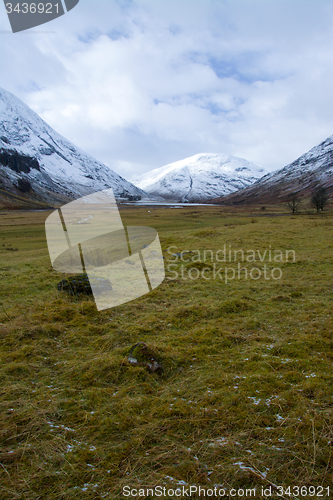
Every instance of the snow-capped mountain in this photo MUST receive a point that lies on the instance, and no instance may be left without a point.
(38, 163)
(200, 177)
(314, 168)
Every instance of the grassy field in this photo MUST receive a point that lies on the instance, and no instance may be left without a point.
(245, 400)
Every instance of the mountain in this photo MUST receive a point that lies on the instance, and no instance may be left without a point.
(38, 166)
(200, 177)
(314, 168)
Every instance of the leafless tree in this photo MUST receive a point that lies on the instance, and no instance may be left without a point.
(319, 198)
(294, 202)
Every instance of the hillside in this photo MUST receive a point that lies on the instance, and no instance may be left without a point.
(309, 170)
(39, 166)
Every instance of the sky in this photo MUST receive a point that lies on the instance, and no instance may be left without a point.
(140, 84)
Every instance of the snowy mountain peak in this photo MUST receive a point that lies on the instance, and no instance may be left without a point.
(30, 150)
(200, 177)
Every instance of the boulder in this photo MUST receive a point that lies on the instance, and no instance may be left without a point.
(80, 284)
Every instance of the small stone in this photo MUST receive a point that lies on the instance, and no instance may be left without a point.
(141, 355)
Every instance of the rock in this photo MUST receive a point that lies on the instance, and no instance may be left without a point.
(18, 162)
(75, 285)
(141, 355)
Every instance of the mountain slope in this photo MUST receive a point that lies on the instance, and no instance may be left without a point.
(199, 177)
(33, 154)
(309, 170)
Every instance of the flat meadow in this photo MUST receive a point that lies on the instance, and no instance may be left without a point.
(242, 325)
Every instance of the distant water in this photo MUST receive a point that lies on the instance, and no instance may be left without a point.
(167, 204)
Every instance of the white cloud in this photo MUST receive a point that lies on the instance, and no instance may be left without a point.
(141, 84)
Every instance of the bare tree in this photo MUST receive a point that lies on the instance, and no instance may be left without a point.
(294, 202)
(319, 198)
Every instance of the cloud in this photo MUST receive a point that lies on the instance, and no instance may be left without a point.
(139, 84)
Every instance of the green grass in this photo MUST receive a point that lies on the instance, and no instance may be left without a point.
(245, 399)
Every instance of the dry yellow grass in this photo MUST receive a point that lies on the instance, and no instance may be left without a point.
(245, 399)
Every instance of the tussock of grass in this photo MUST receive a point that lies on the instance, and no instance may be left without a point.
(247, 367)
